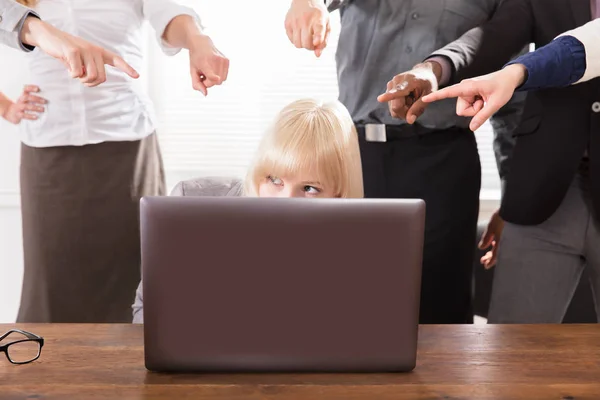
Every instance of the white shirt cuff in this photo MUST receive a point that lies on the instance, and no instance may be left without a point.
(160, 17)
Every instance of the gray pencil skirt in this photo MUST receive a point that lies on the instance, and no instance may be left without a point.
(81, 240)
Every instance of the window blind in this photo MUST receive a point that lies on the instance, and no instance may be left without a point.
(217, 135)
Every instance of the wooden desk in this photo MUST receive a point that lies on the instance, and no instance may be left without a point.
(454, 362)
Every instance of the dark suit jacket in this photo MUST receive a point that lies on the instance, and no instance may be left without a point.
(556, 125)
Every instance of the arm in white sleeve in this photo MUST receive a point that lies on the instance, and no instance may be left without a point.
(160, 13)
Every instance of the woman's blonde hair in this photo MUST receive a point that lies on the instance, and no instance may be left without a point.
(28, 3)
(310, 135)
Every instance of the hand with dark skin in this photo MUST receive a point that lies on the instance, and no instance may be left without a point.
(405, 91)
(491, 237)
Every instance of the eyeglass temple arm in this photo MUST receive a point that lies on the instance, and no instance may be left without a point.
(28, 334)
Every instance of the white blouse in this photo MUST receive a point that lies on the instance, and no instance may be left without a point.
(116, 110)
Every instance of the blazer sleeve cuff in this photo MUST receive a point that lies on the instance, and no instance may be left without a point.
(11, 23)
(23, 46)
(558, 64)
(589, 36)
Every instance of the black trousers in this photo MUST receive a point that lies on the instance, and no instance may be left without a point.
(443, 169)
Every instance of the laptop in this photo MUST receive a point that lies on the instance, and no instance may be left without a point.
(234, 284)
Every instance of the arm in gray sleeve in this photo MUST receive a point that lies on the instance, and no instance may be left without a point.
(12, 18)
(486, 48)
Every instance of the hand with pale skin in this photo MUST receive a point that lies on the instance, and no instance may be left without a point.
(482, 96)
(83, 60)
(405, 91)
(26, 107)
(208, 66)
(307, 25)
(491, 237)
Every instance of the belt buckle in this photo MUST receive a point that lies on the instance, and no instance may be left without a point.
(375, 133)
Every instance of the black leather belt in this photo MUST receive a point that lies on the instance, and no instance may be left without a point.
(395, 132)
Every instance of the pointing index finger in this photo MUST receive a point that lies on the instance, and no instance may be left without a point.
(120, 64)
(319, 34)
(393, 94)
(458, 90)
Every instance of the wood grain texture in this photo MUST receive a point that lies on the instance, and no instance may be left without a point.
(454, 362)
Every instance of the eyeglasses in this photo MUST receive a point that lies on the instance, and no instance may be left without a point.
(25, 349)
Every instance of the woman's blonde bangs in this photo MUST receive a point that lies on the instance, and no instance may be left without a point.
(309, 137)
(287, 156)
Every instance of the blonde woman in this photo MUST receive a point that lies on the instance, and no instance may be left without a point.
(87, 160)
(310, 151)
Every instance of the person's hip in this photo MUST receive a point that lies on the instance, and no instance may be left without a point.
(390, 133)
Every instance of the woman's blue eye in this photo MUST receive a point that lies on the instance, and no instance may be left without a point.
(311, 189)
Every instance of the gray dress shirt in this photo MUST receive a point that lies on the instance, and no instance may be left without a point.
(382, 38)
(12, 17)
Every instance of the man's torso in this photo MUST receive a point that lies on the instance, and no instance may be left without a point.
(382, 38)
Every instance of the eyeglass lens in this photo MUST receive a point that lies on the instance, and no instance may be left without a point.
(22, 352)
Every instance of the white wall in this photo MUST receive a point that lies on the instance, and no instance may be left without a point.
(12, 78)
